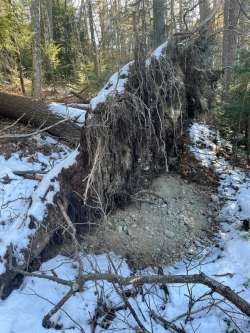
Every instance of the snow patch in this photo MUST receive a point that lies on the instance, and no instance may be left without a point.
(115, 85)
(157, 53)
(234, 183)
(21, 197)
(73, 114)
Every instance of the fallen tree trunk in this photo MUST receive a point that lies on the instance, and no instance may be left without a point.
(38, 114)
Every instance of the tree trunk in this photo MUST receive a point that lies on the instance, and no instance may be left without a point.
(36, 48)
(159, 22)
(93, 41)
(37, 114)
(230, 38)
(204, 9)
(48, 20)
(180, 16)
(172, 15)
(206, 29)
(248, 135)
(19, 67)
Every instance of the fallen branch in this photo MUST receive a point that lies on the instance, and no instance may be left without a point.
(30, 174)
(166, 324)
(196, 311)
(47, 323)
(13, 124)
(28, 135)
(85, 107)
(154, 194)
(201, 278)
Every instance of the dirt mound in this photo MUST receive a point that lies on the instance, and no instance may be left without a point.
(160, 226)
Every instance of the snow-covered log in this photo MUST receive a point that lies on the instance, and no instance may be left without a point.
(39, 114)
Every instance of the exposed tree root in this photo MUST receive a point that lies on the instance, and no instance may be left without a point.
(131, 138)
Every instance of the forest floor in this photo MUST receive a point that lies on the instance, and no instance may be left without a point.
(190, 211)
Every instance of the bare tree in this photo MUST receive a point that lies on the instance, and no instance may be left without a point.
(93, 40)
(159, 22)
(204, 9)
(230, 37)
(48, 20)
(36, 48)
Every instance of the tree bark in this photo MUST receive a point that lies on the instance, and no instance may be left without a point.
(19, 68)
(173, 21)
(207, 28)
(230, 38)
(248, 135)
(48, 20)
(180, 15)
(37, 114)
(36, 48)
(93, 41)
(159, 22)
(204, 9)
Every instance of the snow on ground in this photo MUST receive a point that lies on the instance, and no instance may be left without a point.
(234, 183)
(73, 114)
(20, 197)
(228, 261)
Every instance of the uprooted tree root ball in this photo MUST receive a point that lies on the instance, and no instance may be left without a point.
(133, 136)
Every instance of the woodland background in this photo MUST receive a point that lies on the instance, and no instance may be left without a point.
(50, 47)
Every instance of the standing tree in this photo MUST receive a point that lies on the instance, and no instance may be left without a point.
(14, 36)
(206, 30)
(159, 22)
(36, 48)
(93, 41)
(230, 38)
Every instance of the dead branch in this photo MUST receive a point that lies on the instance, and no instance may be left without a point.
(138, 280)
(121, 292)
(13, 124)
(243, 10)
(166, 324)
(154, 194)
(25, 136)
(30, 174)
(85, 107)
(196, 311)
(47, 323)
(72, 232)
